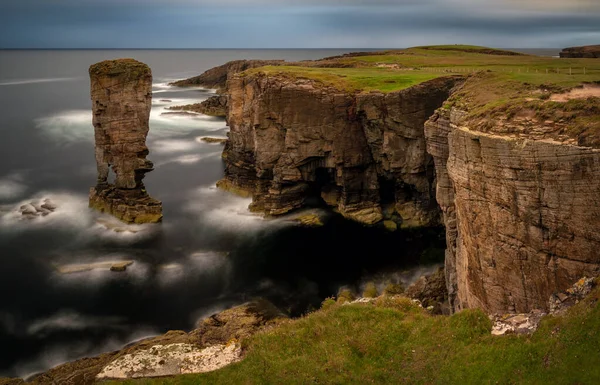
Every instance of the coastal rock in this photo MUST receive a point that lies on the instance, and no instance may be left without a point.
(121, 92)
(214, 344)
(209, 139)
(521, 214)
(527, 323)
(429, 290)
(106, 265)
(217, 77)
(588, 51)
(38, 208)
(294, 141)
(213, 106)
(169, 360)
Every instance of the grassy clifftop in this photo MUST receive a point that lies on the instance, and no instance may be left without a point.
(500, 84)
(395, 342)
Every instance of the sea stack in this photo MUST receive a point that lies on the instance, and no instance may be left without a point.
(121, 93)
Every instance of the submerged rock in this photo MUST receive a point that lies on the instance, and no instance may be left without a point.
(121, 92)
(213, 106)
(39, 208)
(106, 265)
(209, 139)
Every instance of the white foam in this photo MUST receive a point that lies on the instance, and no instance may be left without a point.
(11, 187)
(34, 81)
(71, 320)
(165, 146)
(68, 126)
(191, 158)
(220, 209)
(58, 354)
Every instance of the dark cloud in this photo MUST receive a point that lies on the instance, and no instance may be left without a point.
(284, 24)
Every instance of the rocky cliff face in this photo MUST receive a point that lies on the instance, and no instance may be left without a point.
(121, 92)
(520, 204)
(294, 142)
(588, 51)
(217, 77)
(522, 213)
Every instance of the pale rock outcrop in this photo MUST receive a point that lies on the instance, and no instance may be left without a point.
(121, 92)
(213, 344)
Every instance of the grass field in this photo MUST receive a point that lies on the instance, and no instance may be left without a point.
(396, 342)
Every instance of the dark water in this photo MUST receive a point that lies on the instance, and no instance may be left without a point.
(209, 253)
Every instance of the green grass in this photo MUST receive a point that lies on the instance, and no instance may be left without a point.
(396, 342)
(352, 79)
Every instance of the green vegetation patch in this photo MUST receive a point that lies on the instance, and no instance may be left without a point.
(351, 79)
(130, 67)
(395, 342)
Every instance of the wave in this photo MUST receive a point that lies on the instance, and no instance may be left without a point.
(68, 126)
(11, 187)
(35, 81)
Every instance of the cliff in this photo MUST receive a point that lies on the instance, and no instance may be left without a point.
(296, 142)
(217, 77)
(509, 166)
(121, 92)
(588, 51)
(521, 215)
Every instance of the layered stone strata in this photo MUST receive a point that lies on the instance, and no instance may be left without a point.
(293, 142)
(121, 92)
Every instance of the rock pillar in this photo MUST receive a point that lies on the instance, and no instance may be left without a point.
(121, 92)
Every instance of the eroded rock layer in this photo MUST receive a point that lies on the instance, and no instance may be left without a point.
(522, 215)
(121, 92)
(294, 142)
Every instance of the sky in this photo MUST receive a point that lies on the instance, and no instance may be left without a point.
(297, 23)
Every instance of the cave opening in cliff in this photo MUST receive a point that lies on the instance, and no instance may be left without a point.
(387, 191)
(323, 183)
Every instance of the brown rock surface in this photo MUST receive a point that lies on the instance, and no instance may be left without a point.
(522, 215)
(587, 51)
(213, 106)
(294, 140)
(121, 92)
(217, 77)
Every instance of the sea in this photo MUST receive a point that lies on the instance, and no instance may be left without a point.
(208, 254)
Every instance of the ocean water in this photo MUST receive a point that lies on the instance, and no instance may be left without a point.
(210, 253)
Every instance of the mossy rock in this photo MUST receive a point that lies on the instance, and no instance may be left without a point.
(119, 67)
(393, 289)
(345, 295)
(370, 290)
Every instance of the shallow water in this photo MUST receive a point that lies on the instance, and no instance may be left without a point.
(208, 254)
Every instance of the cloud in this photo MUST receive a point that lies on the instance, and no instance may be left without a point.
(293, 24)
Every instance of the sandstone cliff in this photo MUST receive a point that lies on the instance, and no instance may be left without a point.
(295, 142)
(121, 92)
(521, 212)
(588, 51)
(518, 195)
